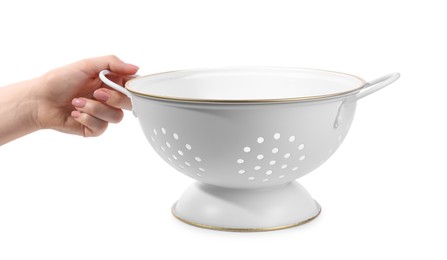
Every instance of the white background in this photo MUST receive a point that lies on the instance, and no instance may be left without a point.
(383, 193)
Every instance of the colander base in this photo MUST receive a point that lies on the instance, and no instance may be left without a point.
(246, 210)
(260, 229)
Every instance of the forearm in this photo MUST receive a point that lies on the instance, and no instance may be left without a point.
(18, 111)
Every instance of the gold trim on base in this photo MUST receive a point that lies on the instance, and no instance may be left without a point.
(245, 229)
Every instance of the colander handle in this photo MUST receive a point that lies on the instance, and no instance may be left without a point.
(108, 82)
(369, 88)
(379, 83)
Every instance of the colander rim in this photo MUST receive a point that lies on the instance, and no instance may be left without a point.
(247, 101)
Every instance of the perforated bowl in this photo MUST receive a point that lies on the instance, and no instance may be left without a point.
(246, 135)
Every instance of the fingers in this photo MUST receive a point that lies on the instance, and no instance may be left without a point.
(112, 98)
(122, 73)
(98, 110)
(92, 126)
(94, 116)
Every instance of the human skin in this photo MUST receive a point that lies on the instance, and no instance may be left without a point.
(70, 99)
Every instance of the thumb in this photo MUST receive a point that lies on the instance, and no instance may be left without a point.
(93, 66)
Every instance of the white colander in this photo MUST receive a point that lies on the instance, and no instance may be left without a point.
(246, 135)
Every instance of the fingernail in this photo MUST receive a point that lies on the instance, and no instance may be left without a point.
(134, 66)
(75, 114)
(77, 102)
(101, 95)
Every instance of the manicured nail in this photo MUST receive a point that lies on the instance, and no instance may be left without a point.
(101, 95)
(75, 114)
(77, 102)
(134, 66)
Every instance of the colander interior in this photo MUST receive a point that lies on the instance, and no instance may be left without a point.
(245, 84)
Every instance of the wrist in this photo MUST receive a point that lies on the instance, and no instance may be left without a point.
(18, 111)
(38, 103)
(27, 105)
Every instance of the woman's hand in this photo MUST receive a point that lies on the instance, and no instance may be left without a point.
(71, 99)
(74, 100)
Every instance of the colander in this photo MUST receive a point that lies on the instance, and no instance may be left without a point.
(245, 135)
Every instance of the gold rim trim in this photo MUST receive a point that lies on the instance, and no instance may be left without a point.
(232, 101)
(244, 229)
